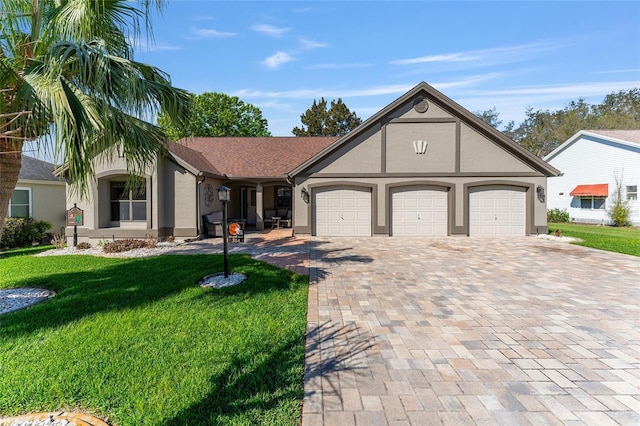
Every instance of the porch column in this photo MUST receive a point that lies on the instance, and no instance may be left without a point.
(259, 208)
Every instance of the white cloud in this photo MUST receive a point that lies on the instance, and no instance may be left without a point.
(210, 32)
(632, 70)
(493, 55)
(150, 46)
(312, 44)
(562, 91)
(356, 93)
(156, 47)
(269, 30)
(274, 61)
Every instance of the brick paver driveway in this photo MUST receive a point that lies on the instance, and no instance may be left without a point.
(465, 330)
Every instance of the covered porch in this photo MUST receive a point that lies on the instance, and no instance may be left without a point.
(262, 204)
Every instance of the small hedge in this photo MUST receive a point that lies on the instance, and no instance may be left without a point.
(22, 232)
(557, 216)
(119, 246)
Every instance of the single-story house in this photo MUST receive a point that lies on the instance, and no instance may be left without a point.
(39, 194)
(591, 161)
(423, 165)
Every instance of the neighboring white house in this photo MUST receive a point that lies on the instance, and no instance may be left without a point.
(590, 161)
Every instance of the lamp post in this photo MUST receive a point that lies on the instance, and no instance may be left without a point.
(223, 196)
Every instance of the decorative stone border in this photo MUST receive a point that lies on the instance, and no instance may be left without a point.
(13, 299)
(77, 419)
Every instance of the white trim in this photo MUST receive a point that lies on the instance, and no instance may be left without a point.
(22, 188)
(582, 133)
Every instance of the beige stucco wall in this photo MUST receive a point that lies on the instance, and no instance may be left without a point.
(479, 154)
(171, 204)
(362, 155)
(441, 147)
(48, 201)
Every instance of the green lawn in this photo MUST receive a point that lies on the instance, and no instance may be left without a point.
(137, 342)
(619, 239)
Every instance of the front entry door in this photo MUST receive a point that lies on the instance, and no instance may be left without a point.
(248, 195)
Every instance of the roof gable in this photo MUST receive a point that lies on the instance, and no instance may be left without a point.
(439, 109)
(626, 139)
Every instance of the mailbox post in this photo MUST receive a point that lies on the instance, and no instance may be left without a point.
(75, 218)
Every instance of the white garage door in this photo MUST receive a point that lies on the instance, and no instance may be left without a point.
(497, 212)
(419, 212)
(343, 212)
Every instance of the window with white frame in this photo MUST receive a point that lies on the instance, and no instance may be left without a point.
(128, 203)
(20, 203)
(592, 203)
(632, 192)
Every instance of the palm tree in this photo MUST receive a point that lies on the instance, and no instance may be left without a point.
(68, 78)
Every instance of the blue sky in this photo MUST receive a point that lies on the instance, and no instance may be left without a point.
(280, 56)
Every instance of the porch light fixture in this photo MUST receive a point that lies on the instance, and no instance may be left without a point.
(540, 192)
(305, 195)
(223, 196)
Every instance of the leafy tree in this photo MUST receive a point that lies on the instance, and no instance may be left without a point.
(490, 116)
(543, 130)
(217, 114)
(338, 120)
(67, 77)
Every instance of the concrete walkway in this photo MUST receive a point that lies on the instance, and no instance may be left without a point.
(275, 246)
(471, 331)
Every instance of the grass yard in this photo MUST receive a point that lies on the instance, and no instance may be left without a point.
(137, 342)
(621, 240)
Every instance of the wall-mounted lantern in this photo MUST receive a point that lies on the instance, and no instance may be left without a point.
(305, 195)
(540, 192)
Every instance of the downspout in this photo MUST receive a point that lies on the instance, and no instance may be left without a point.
(199, 179)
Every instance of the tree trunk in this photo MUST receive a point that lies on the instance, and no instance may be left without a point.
(10, 164)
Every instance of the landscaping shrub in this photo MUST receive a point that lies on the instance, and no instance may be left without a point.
(119, 246)
(21, 232)
(620, 210)
(83, 246)
(59, 241)
(557, 216)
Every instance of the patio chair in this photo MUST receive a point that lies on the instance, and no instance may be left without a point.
(212, 224)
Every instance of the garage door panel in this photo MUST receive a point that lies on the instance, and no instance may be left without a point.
(497, 212)
(343, 212)
(419, 212)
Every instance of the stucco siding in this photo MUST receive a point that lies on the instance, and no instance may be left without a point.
(591, 160)
(480, 155)
(48, 201)
(434, 112)
(439, 157)
(363, 155)
(184, 213)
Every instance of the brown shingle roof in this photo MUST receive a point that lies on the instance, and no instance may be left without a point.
(625, 135)
(250, 157)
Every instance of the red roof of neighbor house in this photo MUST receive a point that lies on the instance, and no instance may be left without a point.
(599, 190)
(249, 157)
